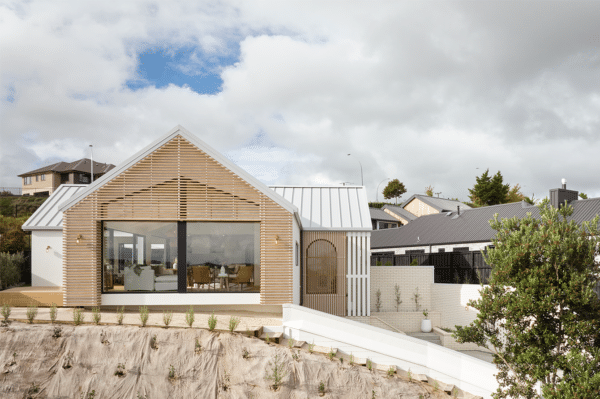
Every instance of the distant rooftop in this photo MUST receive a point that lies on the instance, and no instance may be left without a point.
(82, 165)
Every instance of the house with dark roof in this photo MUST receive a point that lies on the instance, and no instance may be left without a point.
(420, 205)
(382, 220)
(44, 181)
(469, 229)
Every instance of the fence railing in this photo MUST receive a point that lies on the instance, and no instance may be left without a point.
(449, 267)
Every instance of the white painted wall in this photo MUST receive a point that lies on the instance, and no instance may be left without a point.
(46, 267)
(408, 278)
(478, 246)
(451, 301)
(139, 299)
(296, 253)
(388, 348)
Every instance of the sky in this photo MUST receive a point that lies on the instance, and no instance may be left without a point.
(431, 93)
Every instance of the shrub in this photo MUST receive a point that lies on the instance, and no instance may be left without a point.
(96, 315)
(212, 321)
(5, 312)
(369, 365)
(32, 311)
(167, 317)
(144, 314)
(153, 342)
(172, 374)
(321, 387)
(189, 316)
(291, 342)
(53, 312)
(391, 371)
(388, 263)
(245, 353)
(10, 269)
(197, 346)
(331, 354)
(276, 372)
(311, 347)
(120, 315)
(378, 300)
(120, 370)
(233, 323)
(78, 316)
(414, 262)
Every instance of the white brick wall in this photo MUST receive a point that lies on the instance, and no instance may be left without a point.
(451, 301)
(408, 278)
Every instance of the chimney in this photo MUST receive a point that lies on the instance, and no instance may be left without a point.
(558, 196)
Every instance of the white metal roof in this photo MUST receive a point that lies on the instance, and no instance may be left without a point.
(48, 216)
(179, 130)
(329, 208)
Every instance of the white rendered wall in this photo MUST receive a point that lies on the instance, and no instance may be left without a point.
(46, 267)
(451, 301)
(139, 299)
(388, 348)
(296, 249)
(408, 279)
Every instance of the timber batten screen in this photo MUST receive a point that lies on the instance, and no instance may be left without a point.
(176, 182)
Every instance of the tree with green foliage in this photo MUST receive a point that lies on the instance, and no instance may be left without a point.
(539, 314)
(6, 208)
(12, 237)
(429, 191)
(489, 190)
(394, 189)
(583, 196)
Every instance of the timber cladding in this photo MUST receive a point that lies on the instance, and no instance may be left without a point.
(176, 182)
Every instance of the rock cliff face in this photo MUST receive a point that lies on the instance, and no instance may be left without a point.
(156, 363)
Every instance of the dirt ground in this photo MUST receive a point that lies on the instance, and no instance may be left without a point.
(83, 360)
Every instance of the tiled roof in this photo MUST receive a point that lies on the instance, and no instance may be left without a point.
(82, 165)
(398, 210)
(472, 225)
(329, 208)
(441, 204)
(379, 214)
(47, 216)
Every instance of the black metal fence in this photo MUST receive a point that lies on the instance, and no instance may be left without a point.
(449, 267)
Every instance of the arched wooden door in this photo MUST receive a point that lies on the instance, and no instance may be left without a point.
(324, 282)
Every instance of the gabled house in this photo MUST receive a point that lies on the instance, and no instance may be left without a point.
(419, 205)
(469, 229)
(382, 220)
(44, 181)
(180, 224)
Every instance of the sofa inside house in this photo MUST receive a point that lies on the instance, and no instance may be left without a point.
(150, 278)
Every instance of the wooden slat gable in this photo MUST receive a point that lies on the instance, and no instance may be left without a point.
(176, 182)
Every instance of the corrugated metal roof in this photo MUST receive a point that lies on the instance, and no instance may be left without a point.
(472, 225)
(398, 210)
(378, 214)
(47, 216)
(440, 204)
(329, 208)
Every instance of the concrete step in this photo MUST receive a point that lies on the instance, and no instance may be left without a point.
(429, 337)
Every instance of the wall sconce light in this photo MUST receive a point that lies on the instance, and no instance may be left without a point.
(276, 240)
(48, 249)
(79, 238)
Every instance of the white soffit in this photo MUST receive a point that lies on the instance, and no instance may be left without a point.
(216, 155)
(329, 208)
(48, 216)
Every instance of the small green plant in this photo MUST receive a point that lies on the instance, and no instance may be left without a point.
(167, 318)
(245, 354)
(425, 313)
(90, 395)
(57, 332)
(415, 262)
(276, 372)
(96, 315)
(32, 311)
(233, 323)
(388, 263)
(153, 342)
(68, 363)
(144, 314)
(212, 321)
(78, 316)
(172, 374)
(189, 317)
(378, 300)
(409, 375)
(5, 312)
(449, 330)
(391, 371)
(351, 359)
(373, 394)
(291, 342)
(103, 338)
(455, 392)
(197, 346)
(267, 338)
(398, 300)
(321, 387)
(331, 354)
(311, 347)
(369, 365)
(225, 382)
(416, 297)
(120, 315)
(14, 359)
(296, 355)
(120, 370)
(378, 263)
(33, 389)
(140, 396)
(53, 312)
(436, 386)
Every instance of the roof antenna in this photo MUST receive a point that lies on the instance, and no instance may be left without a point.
(438, 194)
(92, 161)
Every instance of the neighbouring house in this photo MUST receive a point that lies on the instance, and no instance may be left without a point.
(382, 220)
(469, 229)
(419, 205)
(44, 181)
(180, 224)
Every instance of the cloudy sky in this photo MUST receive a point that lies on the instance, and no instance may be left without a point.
(426, 92)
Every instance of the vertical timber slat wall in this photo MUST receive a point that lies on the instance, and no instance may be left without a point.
(176, 182)
(358, 274)
(332, 303)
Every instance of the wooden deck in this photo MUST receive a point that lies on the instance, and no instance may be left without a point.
(32, 296)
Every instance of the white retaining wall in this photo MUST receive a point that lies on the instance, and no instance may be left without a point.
(388, 348)
(451, 301)
(409, 278)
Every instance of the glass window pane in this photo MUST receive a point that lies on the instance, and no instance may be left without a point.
(139, 256)
(223, 257)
